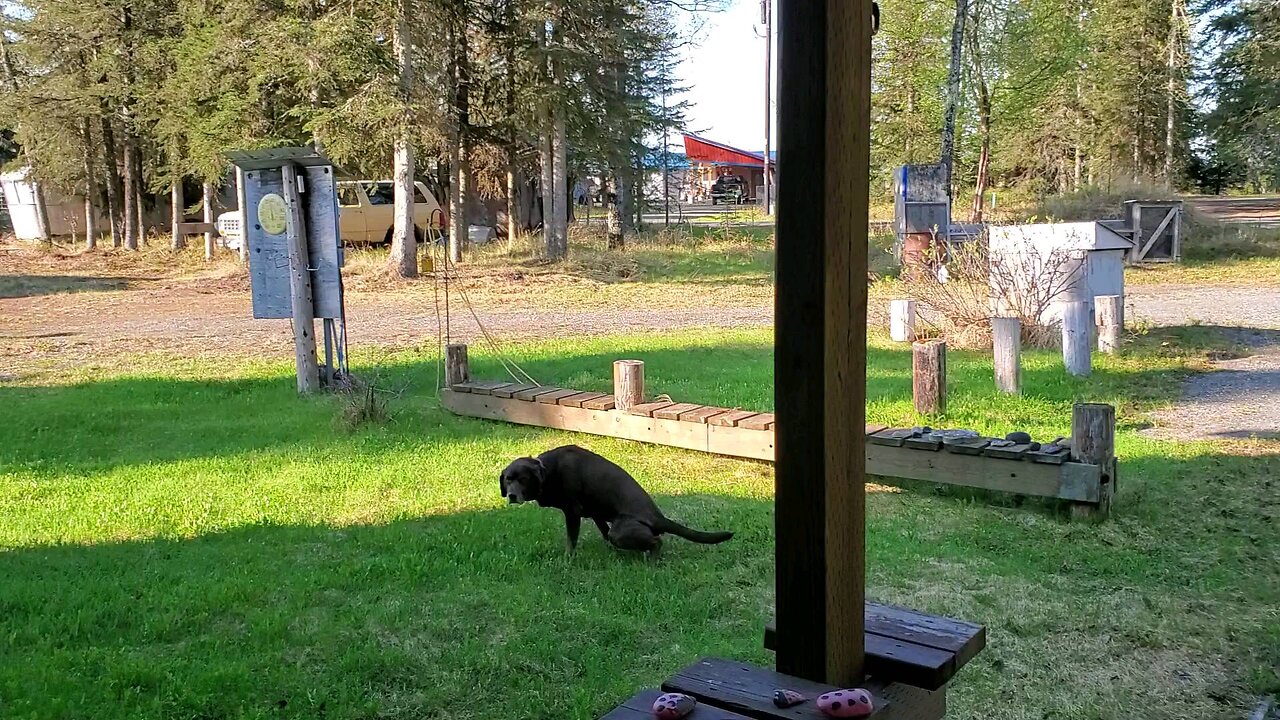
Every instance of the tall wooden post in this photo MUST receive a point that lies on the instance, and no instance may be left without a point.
(178, 241)
(206, 199)
(902, 320)
(1109, 314)
(628, 383)
(1006, 353)
(1093, 441)
(1077, 338)
(242, 203)
(457, 368)
(929, 377)
(301, 302)
(824, 106)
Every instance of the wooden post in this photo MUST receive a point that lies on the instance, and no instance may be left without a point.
(929, 376)
(244, 215)
(301, 301)
(1077, 338)
(902, 320)
(1093, 441)
(1006, 352)
(175, 215)
(457, 368)
(206, 196)
(824, 107)
(628, 383)
(1109, 314)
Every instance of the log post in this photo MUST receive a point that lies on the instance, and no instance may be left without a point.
(179, 241)
(1077, 338)
(902, 320)
(206, 201)
(1093, 441)
(457, 368)
(824, 123)
(628, 383)
(1006, 352)
(929, 376)
(1109, 314)
(300, 297)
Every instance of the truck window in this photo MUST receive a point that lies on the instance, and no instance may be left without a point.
(418, 197)
(381, 194)
(347, 196)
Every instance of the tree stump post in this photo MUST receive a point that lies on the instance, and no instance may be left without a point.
(902, 320)
(929, 376)
(1093, 441)
(628, 384)
(1077, 338)
(300, 297)
(1109, 314)
(457, 368)
(178, 240)
(1006, 351)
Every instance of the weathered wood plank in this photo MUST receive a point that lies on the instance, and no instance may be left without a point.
(891, 437)
(737, 442)
(757, 422)
(604, 402)
(487, 388)
(577, 400)
(966, 446)
(1073, 481)
(646, 409)
(510, 390)
(928, 441)
(748, 689)
(554, 397)
(673, 412)
(872, 428)
(1008, 452)
(732, 418)
(640, 707)
(702, 414)
(463, 387)
(533, 392)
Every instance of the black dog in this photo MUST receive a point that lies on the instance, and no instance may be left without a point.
(583, 484)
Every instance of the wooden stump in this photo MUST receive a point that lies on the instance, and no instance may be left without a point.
(902, 320)
(1077, 338)
(929, 376)
(1006, 350)
(1093, 441)
(1109, 314)
(628, 384)
(457, 368)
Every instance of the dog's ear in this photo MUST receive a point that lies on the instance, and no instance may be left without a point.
(537, 475)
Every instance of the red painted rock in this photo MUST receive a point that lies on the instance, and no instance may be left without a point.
(787, 698)
(673, 706)
(855, 702)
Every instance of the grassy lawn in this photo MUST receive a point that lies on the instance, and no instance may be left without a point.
(187, 539)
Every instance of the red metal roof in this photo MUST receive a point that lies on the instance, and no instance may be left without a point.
(708, 151)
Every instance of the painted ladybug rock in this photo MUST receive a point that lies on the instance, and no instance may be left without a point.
(673, 706)
(846, 703)
(787, 698)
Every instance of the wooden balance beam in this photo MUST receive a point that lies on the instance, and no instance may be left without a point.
(733, 432)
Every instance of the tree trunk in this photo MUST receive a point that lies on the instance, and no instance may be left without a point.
(115, 185)
(626, 205)
(953, 90)
(131, 219)
(404, 246)
(559, 183)
(179, 240)
(138, 182)
(90, 185)
(546, 157)
(206, 202)
(1171, 91)
(613, 218)
(984, 156)
(511, 197)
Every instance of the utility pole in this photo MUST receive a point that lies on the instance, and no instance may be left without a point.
(766, 17)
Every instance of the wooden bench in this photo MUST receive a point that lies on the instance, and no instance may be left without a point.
(731, 690)
(912, 647)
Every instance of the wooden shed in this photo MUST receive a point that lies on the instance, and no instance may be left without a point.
(1046, 264)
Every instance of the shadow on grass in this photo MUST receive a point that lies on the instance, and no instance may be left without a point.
(20, 286)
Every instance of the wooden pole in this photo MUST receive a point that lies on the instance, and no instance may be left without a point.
(1093, 441)
(206, 197)
(902, 320)
(929, 376)
(175, 215)
(457, 368)
(304, 321)
(1006, 352)
(628, 383)
(244, 215)
(1077, 337)
(1109, 314)
(824, 106)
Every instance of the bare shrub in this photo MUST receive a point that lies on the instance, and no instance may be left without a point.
(962, 291)
(362, 403)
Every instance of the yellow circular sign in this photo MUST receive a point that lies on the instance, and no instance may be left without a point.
(272, 214)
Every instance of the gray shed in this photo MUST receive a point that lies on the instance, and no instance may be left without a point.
(1045, 264)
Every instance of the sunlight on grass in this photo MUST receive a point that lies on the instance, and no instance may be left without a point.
(188, 538)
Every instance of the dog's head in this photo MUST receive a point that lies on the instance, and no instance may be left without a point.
(522, 480)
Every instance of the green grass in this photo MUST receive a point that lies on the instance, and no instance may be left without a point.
(188, 539)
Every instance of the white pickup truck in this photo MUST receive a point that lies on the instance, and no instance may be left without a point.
(365, 210)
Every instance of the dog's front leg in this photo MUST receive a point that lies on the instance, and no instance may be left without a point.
(572, 524)
(603, 527)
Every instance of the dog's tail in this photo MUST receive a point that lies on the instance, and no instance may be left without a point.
(667, 525)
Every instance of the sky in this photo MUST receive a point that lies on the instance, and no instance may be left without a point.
(724, 72)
